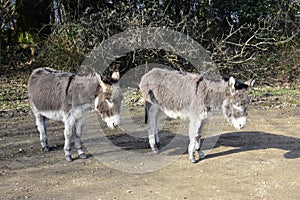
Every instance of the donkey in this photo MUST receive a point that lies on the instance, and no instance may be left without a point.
(193, 97)
(67, 97)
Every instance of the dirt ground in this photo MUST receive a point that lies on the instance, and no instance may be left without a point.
(261, 161)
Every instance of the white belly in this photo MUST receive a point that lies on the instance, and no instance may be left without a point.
(184, 115)
(76, 113)
(172, 114)
(54, 115)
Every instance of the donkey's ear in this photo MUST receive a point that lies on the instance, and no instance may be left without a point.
(250, 82)
(115, 76)
(231, 84)
(102, 84)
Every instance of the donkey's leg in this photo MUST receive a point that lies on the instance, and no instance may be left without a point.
(41, 123)
(157, 141)
(201, 155)
(69, 125)
(152, 131)
(78, 142)
(193, 136)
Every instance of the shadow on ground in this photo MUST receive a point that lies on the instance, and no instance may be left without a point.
(248, 141)
(240, 141)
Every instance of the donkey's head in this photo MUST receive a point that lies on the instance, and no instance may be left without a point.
(108, 100)
(235, 105)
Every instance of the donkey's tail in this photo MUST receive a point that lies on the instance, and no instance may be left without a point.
(147, 107)
(148, 104)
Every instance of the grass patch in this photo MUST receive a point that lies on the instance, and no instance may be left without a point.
(13, 92)
(272, 96)
(274, 91)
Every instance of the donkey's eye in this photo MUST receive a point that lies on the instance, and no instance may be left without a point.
(108, 100)
(109, 103)
(237, 104)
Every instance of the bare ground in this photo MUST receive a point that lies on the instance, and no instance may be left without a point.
(261, 161)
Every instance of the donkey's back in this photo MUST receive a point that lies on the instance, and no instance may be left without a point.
(175, 92)
(48, 89)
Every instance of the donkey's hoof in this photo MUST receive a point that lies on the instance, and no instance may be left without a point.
(155, 151)
(193, 160)
(46, 149)
(83, 156)
(69, 158)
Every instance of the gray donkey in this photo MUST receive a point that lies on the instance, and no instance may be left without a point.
(193, 97)
(68, 97)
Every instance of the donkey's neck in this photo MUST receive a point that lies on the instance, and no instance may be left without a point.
(217, 92)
